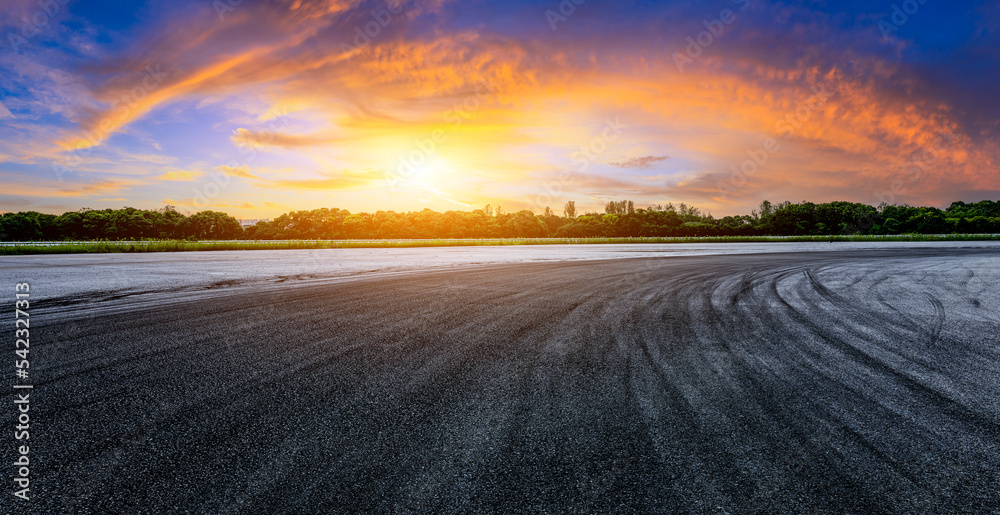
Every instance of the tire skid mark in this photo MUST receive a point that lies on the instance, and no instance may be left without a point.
(742, 384)
(934, 331)
(896, 373)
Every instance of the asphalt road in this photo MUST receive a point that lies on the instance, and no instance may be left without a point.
(847, 382)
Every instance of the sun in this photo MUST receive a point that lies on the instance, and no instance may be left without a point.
(434, 169)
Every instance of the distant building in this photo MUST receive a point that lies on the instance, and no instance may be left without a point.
(249, 222)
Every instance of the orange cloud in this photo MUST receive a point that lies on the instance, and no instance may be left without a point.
(179, 175)
(244, 137)
(237, 171)
(345, 181)
(154, 83)
(92, 189)
(511, 109)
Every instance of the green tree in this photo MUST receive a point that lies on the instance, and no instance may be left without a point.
(569, 210)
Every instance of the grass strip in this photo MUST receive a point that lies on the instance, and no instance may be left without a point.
(86, 247)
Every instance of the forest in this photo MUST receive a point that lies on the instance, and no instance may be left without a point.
(619, 219)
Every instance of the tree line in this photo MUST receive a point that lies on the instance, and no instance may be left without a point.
(118, 224)
(619, 219)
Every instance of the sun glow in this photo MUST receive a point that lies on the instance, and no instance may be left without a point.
(434, 170)
(428, 179)
(292, 107)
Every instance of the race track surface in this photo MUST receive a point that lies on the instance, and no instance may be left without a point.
(860, 382)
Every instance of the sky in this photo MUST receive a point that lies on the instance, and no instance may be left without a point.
(257, 108)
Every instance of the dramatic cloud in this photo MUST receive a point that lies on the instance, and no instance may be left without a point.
(442, 103)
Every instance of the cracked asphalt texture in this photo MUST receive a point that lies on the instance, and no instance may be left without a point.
(864, 381)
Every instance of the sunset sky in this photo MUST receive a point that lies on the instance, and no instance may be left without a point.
(257, 108)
